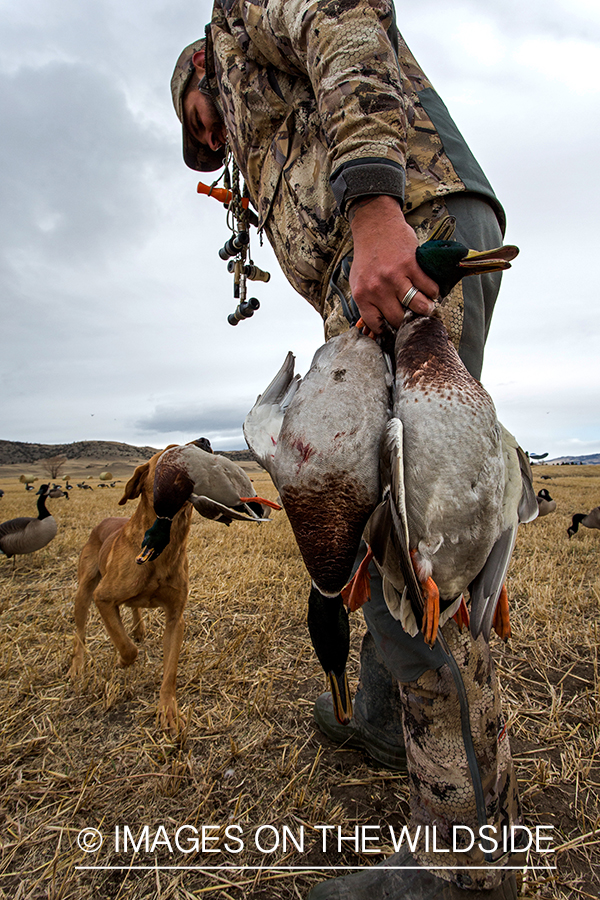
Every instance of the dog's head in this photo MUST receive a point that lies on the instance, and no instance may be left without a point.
(142, 479)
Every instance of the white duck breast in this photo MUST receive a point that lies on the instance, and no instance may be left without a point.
(326, 462)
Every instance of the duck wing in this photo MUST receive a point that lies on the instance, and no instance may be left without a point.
(387, 534)
(210, 509)
(388, 527)
(520, 506)
(263, 422)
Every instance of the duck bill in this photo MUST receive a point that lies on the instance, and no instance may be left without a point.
(340, 693)
(478, 262)
(145, 555)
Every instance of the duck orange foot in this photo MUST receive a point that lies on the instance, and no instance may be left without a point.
(431, 605)
(358, 589)
(461, 616)
(501, 621)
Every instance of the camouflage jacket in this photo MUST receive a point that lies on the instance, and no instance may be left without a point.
(324, 102)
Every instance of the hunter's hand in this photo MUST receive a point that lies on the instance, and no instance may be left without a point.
(384, 268)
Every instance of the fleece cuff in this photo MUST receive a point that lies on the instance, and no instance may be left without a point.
(364, 178)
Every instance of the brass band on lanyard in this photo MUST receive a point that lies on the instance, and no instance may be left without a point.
(236, 250)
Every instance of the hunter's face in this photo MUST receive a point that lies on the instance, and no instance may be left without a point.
(202, 119)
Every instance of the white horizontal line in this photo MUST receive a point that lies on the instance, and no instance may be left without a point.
(307, 868)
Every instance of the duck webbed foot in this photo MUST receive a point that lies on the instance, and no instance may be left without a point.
(431, 611)
(461, 616)
(431, 604)
(501, 620)
(358, 589)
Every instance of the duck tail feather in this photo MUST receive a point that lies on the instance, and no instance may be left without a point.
(263, 422)
(211, 509)
(280, 384)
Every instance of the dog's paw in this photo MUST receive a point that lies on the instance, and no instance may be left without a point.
(139, 633)
(168, 716)
(76, 669)
(128, 658)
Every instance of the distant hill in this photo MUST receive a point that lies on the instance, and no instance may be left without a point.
(592, 459)
(18, 452)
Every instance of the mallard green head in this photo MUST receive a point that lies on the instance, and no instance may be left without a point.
(447, 261)
(155, 540)
(330, 635)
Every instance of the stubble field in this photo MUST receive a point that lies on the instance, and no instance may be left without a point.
(90, 754)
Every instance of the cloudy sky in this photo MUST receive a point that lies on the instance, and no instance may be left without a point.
(114, 301)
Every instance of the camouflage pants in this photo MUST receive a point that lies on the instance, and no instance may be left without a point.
(440, 780)
(407, 688)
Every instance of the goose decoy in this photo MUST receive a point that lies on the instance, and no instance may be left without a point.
(215, 486)
(319, 440)
(26, 534)
(591, 520)
(56, 492)
(545, 503)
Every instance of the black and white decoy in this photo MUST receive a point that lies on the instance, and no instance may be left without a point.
(588, 520)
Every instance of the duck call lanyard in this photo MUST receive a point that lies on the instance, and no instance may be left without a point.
(236, 251)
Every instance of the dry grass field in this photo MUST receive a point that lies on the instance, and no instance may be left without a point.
(89, 755)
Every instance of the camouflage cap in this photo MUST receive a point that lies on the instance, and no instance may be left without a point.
(197, 156)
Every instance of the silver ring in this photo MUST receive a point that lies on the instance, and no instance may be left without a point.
(406, 301)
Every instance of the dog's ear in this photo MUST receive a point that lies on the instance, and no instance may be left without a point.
(134, 486)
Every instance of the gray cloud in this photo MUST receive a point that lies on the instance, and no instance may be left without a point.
(72, 167)
(207, 420)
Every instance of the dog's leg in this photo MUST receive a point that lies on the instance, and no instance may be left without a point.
(88, 579)
(139, 626)
(172, 640)
(111, 617)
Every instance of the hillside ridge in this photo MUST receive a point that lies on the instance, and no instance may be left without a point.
(22, 453)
